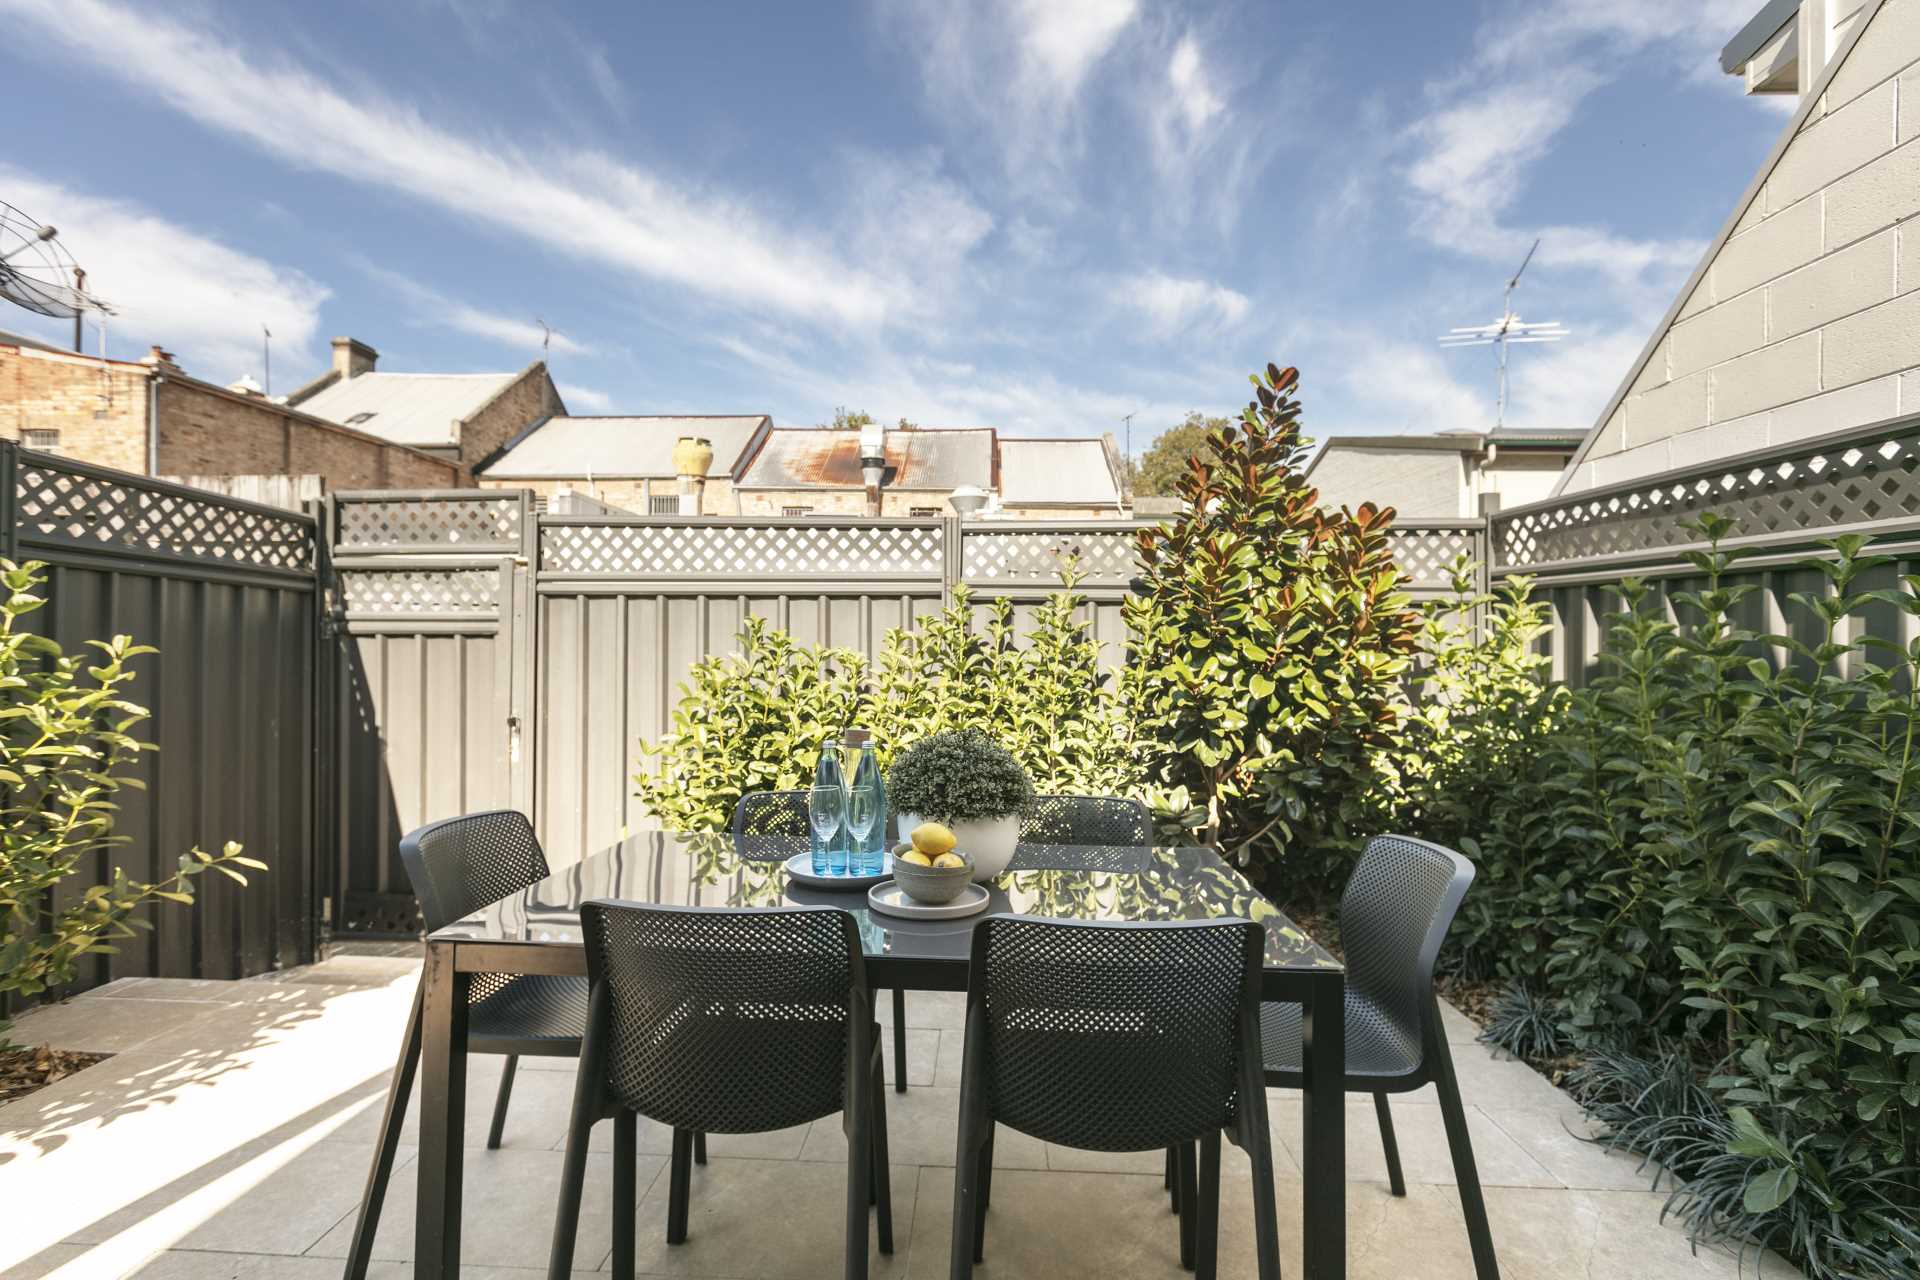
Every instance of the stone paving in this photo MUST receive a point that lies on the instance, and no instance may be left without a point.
(230, 1134)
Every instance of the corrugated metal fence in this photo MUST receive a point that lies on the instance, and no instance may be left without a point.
(225, 590)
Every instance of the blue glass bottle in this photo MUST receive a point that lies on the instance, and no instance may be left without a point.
(867, 795)
(829, 846)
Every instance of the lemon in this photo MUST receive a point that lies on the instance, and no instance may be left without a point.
(933, 839)
(916, 857)
(949, 860)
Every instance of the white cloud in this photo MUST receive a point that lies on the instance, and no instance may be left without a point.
(1063, 39)
(436, 310)
(1193, 94)
(173, 286)
(584, 204)
(1173, 304)
(579, 397)
(1405, 387)
(907, 219)
(1566, 385)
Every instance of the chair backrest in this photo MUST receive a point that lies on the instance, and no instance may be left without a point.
(733, 1021)
(1113, 1037)
(459, 865)
(1086, 820)
(771, 826)
(1395, 912)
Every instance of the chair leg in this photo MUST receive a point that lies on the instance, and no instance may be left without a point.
(1207, 1192)
(975, 1123)
(573, 1169)
(881, 1178)
(1189, 1208)
(700, 1147)
(367, 1222)
(500, 1102)
(680, 1173)
(626, 1197)
(1166, 1173)
(859, 1172)
(985, 1197)
(1392, 1148)
(1472, 1206)
(899, 1040)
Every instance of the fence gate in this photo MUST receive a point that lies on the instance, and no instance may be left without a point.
(432, 662)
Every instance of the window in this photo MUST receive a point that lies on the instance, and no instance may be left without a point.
(359, 418)
(796, 511)
(923, 511)
(539, 504)
(667, 504)
(45, 439)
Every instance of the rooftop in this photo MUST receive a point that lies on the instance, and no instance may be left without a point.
(624, 446)
(408, 408)
(1076, 473)
(821, 458)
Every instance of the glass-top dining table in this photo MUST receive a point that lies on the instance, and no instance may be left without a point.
(537, 931)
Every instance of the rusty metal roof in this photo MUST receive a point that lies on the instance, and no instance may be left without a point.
(940, 458)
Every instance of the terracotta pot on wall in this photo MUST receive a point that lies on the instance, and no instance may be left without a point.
(692, 455)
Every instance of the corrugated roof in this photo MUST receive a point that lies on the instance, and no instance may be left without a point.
(818, 458)
(1056, 472)
(407, 408)
(621, 446)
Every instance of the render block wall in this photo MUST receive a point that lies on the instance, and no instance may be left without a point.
(1807, 319)
(631, 494)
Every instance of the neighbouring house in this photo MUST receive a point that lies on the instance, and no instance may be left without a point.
(628, 462)
(467, 418)
(1803, 318)
(816, 471)
(1060, 479)
(152, 418)
(1445, 475)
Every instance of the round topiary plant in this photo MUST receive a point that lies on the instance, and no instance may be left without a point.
(959, 776)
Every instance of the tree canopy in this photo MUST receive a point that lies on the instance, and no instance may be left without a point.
(1155, 474)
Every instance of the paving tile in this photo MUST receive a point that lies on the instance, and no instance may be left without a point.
(923, 1052)
(508, 1201)
(767, 1218)
(1048, 1225)
(537, 1113)
(1564, 1148)
(106, 1024)
(923, 1127)
(953, 1050)
(1459, 1027)
(939, 1010)
(1422, 1138)
(657, 1139)
(47, 1260)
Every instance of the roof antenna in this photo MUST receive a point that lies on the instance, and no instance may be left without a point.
(1507, 329)
(547, 333)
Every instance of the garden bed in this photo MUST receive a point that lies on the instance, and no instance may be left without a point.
(25, 1069)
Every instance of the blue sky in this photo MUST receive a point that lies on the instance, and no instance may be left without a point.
(1038, 215)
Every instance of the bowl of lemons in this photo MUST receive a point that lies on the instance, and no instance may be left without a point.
(928, 868)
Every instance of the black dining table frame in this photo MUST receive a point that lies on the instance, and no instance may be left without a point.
(451, 962)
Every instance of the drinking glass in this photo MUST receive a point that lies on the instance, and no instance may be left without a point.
(826, 814)
(863, 814)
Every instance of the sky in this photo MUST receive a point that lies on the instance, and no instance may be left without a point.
(1037, 215)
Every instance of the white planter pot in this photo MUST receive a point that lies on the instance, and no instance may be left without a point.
(989, 842)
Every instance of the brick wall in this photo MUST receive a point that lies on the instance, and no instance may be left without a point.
(1807, 320)
(99, 408)
(526, 400)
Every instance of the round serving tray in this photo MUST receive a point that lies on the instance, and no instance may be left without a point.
(891, 900)
(800, 871)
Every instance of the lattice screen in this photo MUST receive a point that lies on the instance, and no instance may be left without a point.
(1425, 555)
(79, 508)
(1106, 556)
(714, 550)
(420, 591)
(459, 523)
(1814, 491)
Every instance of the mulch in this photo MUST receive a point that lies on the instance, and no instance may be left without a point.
(23, 1070)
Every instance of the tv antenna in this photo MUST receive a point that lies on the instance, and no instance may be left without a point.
(547, 334)
(37, 272)
(1508, 329)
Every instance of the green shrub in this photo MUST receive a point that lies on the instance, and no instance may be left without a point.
(66, 746)
(1270, 641)
(961, 775)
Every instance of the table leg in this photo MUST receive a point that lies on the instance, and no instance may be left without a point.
(1325, 1127)
(443, 1099)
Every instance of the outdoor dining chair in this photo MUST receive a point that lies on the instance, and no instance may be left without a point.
(458, 866)
(1116, 1037)
(1394, 915)
(717, 1020)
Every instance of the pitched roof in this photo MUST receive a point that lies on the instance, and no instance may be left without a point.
(628, 446)
(821, 458)
(1762, 27)
(408, 408)
(1057, 473)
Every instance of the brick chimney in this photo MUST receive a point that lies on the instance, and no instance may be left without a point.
(160, 360)
(352, 357)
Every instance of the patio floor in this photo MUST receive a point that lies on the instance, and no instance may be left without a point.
(230, 1134)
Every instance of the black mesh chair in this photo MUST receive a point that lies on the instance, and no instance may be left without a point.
(771, 826)
(457, 867)
(1086, 820)
(1116, 1037)
(1394, 914)
(723, 1021)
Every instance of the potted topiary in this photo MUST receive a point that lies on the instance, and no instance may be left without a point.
(964, 780)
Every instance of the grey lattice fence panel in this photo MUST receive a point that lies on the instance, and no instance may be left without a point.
(1426, 551)
(741, 549)
(427, 593)
(61, 503)
(1030, 553)
(464, 521)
